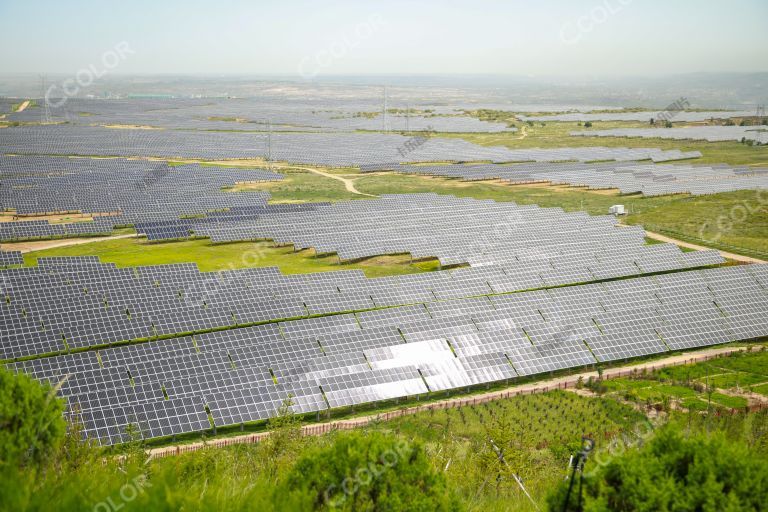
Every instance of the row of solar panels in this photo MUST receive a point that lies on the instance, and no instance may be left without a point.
(337, 149)
(185, 228)
(453, 230)
(10, 259)
(708, 133)
(14, 231)
(675, 115)
(245, 374)
(649, 179)
(57, 307)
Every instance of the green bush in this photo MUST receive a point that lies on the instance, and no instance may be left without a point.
(675, 472)
(365, 471)
(32, 425)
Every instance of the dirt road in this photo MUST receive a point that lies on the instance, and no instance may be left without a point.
(23, 106)
(687, 245)
(25, 247)
(348, 183)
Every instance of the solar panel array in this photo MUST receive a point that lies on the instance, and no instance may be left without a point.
(256, 114)
(331, 149)
(628, 178)
(78, 303)
(172, 350)
(708, 133)
(193, 227)
(167, 387)
(6, 104)
(282, 112)
(565, 247)
(642, 116)
(118, 191)
(360, 111)
(10, 258)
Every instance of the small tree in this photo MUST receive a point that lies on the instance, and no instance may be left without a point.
(588, 124)
(75, 451)
(285, 439)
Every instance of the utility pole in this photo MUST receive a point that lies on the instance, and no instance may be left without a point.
(407, 118)
(45, 112)
(760, 114)
(384, 111)
(269, 143)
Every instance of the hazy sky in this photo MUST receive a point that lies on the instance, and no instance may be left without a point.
(316, 38)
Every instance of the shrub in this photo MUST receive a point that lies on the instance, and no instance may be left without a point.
(675, 472)
(365, 471)
(32, 425)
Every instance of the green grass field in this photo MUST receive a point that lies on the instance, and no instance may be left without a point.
(129, 252)
(301, 186)
(721, 380)
(755, 363)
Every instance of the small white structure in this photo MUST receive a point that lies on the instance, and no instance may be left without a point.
(617, 209)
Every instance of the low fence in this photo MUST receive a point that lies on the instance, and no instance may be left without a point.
(566, 382)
